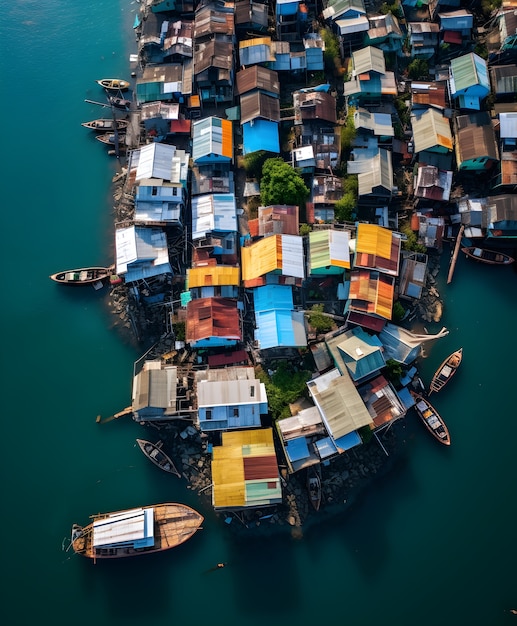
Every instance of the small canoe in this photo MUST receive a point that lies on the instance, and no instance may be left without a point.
(490, 257)
(314, 486)
(105, 124)
(109, 138)
(446, 371)
(431, 419)
(114, 84)
(120, 103)
(154, 452)
(82, 276)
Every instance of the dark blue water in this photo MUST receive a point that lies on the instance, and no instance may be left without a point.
(432, 542)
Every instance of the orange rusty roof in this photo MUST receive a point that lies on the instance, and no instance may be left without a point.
(372, 292)
(212, 317)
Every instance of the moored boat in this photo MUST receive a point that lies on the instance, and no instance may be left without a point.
(446, 371)
(136, 531)
(110, 139)
(114, 84)
(154, 452)
(314, 486)
(120, 103)
(82, 276)
(105, 124)
(491, 257)
(431, 419)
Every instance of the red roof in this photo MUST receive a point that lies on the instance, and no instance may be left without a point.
(180, 126)
(227, 358)
(452, 36)
(367, 321)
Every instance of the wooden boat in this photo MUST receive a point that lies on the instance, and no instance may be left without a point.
(114, 84)
(83, 276)
(446, 371)
(314, 486)
(109, 138)
(154, 452)
(105, 124)
(136, 531)
(120, 103)
(431, 419)
(491, 257)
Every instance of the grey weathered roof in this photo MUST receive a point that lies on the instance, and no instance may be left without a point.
(257, 104)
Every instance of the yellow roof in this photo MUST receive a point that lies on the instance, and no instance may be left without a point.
(228, 477)
(257, 41)
(261, 257)
(374, 239)
(212, 275)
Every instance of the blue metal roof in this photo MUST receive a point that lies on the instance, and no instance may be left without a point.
(275, 329)
(348, 441)
(260, 135)
(297, 449)
(273, 297)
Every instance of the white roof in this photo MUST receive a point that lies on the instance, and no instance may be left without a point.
(125, 527)
(292, 256)
(508, 126)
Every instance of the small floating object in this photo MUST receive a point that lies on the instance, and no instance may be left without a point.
(154, 452)
(113, 84)
(490, 257)
(119, 103)
(104, 125)
(446, 371)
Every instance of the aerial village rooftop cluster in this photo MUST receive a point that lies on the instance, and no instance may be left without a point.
(429, 89)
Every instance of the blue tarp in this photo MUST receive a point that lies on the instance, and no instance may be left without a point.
(297, 449)
(273, 297)
(348, 441)
(260, 135)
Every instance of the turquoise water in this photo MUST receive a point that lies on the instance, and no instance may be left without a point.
(433, 542)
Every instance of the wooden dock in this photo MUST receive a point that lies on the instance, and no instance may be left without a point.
(127, 411)
(455, 254)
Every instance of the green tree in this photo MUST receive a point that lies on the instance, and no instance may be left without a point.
(282, 184)
(394, 371)
(418, 69)
(254, 162)
(284, 387)
(305, 229)
(398, 311)
(321, 323)
(411, 242)
(344, 209)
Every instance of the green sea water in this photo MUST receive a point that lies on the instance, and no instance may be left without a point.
(432, 542)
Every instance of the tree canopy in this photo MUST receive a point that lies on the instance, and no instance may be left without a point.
(282, 184)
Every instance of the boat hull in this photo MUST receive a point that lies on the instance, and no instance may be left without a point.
(489, 257)
(105, 125)
(431, 419)
(114, 84)
(82, 276)
(156, 455)
(174, 524)
(446, 371)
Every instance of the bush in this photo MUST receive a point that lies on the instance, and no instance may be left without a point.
(321, 323)
(398, 311)
(305, 229)
(282, 184)
(344, 209)
(284, 387)
(418, 69)
(394, 371)
(254, 162)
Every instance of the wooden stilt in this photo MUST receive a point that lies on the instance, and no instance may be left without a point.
(455, 254)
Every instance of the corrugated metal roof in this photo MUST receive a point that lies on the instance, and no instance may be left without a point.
(504, 79)
(213, 212)
(259, 105)
(229, 386)
(218, 54)
(380, 123)
(431, 129)
(212, 275)
(314, 105)
(155, 386)
(245, 452)
(257, 77)
(249, 12)
(273, 297)
(257, 50)
(339, 403)
(361, 352)
(260, 135)
(508, 125)
(212, 317)
(329, 248)
(145, 247)
(212, 136)
(475, 137)
(377, 248)
(278, 252)
(428, 94)
(280, 219)
(280, 328)
(372, 292)
(467, 71)
(378, 177)
(131, 528)
(155, 161)
(210, 20)
(335, 8)
(369, 59)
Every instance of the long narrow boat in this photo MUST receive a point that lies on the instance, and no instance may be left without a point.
(154, 452)
(114, 84)
(446, 371)
(82, 276)
(431, 419)
(105, 125)
(109, 138)
(491, 257)
(136, 531)
(314, 486)
(119, 103)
